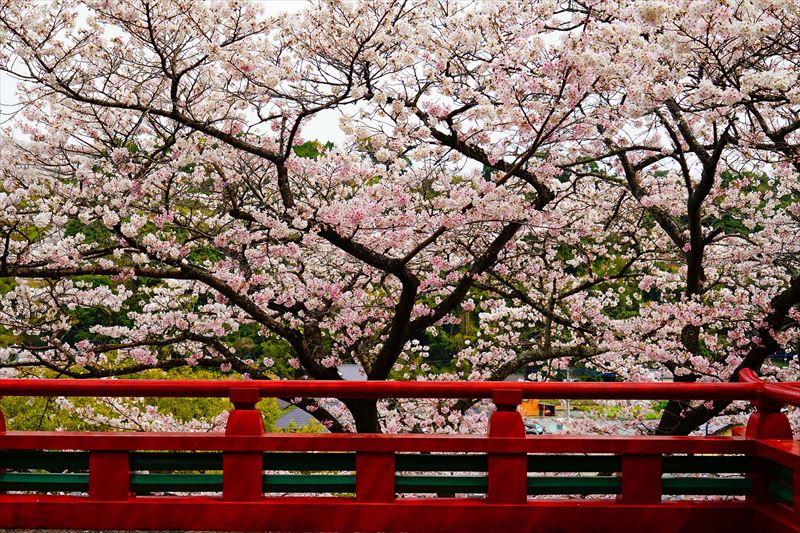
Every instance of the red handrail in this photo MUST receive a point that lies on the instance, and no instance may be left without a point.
(380, 389)
(785, 393)
(242, 502)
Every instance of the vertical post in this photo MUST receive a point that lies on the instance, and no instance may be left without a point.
(767, 422)
(641, 479)
(375, 477)
(242, 471)
(2, 430)
(508, 471)
(109, 475)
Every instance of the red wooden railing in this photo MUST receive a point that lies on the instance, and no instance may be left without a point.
(232, 482)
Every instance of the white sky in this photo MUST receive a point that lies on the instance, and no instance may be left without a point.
(323, 127)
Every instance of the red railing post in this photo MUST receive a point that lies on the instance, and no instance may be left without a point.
(375, 477)
(2, 430)
(641, 479)
(766, 422)
(243, 471)
(508, 472)
(109, 475)
(796, 496)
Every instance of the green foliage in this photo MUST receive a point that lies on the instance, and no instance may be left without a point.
(7, 337)
(94, 232)
(443, 346)
(311, 149)
(628, 305)
(204, 253)
(605, 411)
(188, 168)
(250, 344)
(43, 414)
(657, 409)
(38, 414)
(312, 427)
(731, 222)
(7, 285)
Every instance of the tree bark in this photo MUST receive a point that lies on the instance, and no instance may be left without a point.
(365, 414)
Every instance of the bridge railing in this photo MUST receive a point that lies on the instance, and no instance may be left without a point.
(361, 482)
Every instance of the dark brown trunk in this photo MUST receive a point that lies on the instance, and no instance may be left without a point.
(365, 414)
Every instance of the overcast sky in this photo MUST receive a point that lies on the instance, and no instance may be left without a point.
(324, 127)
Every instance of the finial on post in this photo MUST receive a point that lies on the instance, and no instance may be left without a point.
(245, 419)
(768, 421)
(506, 420)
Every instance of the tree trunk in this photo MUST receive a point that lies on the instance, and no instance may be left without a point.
(673, 419)
(672, 422)
(365, 413)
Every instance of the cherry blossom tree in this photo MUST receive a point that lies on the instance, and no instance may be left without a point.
(685, 209)
(610, 183)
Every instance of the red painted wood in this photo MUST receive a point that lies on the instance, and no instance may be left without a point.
(506, 420)
(375, 508)
(379, 389)
(109, 475)
(241, 476)
(55, 440)
(783, 452)
(244, 398)
(2, 430)
(346, 515)
(782, 393)
(245, 419)
(768, 425)
(507, 478)
(760, 477)
(245, 422)
(375, 477)
(508, 472)
(768, 422)
(641, 479)
(242, 471)
(775, 518)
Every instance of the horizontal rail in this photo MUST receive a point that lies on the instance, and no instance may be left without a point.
(119, 474)
(786, 393)
(62, 461)
(380, 389)
(57, 440)
(783, 452)
(337, 514)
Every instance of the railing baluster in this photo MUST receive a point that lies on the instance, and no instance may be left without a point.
(508, 472)
(766, 422)
(242, 471)
(2, 430)
(109, 475)
(375, 477)
(641, 479)
(504, 453)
